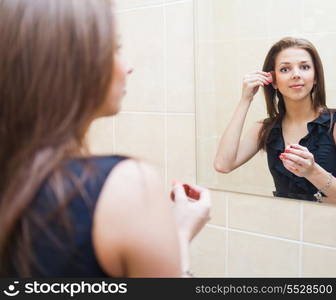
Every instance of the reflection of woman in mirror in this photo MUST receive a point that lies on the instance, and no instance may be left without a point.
(298, 135)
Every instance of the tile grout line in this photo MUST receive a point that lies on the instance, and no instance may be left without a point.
(114, 139)
(301, 240)
(143, 7)
(195, 72)
(272, 237)
(301, 204)
(165, 87)
(266, 38)
(157, 113)
(227, 237)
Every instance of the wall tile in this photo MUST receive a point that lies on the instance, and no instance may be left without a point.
(225, 76)
(142, 35)
(180, 57)
(284, 18)
(131, 4)
(181, 155)
(204, 17)
(208, 253)
(265, 215)
(318, 262)
(101, 136)
(244, 179)
(322, 42)
(205, 67)
(317, 16)
(226, 24)
(206, 123)
(170, 1)
(254, 256)
(206, 150)
(141, 135)
(218, 210)
(319, 223)
(250, 24)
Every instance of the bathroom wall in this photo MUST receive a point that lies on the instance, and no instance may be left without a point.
(157, 121)
(248, 236)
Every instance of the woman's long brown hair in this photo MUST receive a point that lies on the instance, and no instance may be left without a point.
(56, 62)
(274, 100)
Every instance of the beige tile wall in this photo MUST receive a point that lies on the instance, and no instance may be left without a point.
(158, 113)
(248, 236)
(266, 237)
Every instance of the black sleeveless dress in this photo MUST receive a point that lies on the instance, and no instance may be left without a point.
(319, 141)
(58, 250)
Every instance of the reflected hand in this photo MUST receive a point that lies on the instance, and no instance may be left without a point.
(298, 160)
(192, 209)
(253, 81)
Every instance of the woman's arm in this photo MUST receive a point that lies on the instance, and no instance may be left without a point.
(191, 210)
(134, 232)
(138, 232)
(232, 151)
(298, 160)
(325, 182)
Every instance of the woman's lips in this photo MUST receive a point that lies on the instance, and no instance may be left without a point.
(296, 86)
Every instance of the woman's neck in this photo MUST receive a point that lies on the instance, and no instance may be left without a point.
(300, 111)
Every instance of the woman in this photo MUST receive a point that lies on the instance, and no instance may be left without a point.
(298, 135)
(63, 212)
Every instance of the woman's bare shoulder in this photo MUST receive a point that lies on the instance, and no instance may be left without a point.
(130, 171)
(131, 201)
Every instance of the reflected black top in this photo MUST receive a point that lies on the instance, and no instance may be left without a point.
(58, 251)
(320, 143)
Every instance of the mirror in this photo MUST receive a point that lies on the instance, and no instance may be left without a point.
(232, 38)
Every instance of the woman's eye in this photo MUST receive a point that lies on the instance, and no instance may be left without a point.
(283, 70)
(305, 67)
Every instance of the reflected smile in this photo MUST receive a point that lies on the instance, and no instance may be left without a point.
(296, 86)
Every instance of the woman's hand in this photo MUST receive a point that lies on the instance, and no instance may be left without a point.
(253, 81)
(192, 209)
(298, 160)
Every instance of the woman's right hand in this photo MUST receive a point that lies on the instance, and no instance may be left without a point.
(253, 81)
(192, 209)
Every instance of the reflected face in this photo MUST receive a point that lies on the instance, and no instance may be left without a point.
(294, 73)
